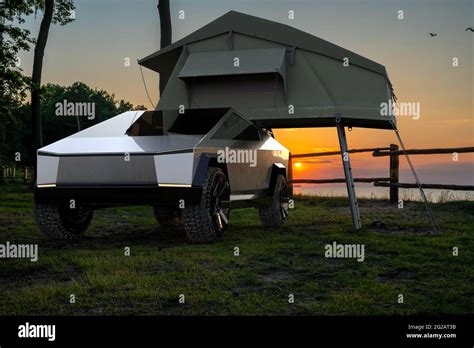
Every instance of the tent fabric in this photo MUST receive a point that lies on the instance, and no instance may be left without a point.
(236, 22)
(258, 61)
(222, 63)
(286, 78)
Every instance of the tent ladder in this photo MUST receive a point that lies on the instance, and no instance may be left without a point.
(348, 174)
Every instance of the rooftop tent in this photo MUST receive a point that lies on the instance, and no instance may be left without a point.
(275, 75)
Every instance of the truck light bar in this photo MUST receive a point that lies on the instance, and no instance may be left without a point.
(174, 185)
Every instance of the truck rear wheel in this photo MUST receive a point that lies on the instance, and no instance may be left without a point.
(275, 212)
(167, 216)
(57, 222)
(206, 221)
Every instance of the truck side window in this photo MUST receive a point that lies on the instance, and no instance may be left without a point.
(150, 123)
(236, 128)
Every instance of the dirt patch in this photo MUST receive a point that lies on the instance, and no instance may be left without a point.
(392, 229)
(42, 275)
(395, 276)
(276, 277)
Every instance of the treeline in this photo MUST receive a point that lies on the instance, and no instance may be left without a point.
(30, 113)
(16, 131)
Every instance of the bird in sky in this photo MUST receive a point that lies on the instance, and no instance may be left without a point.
(470, 29)
(433, 34)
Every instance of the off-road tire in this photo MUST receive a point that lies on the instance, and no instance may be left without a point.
(275, 213)
(200, 220)
(62, 223)
(168, 217)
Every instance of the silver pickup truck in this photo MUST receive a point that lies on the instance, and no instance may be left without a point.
(190, 169)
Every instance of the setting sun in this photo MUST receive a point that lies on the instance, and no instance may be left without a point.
(298, 164)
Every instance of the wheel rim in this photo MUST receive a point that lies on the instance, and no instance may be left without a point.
(284, 200)
(220, 198)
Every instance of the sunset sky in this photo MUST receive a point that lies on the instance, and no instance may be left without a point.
(92, 49)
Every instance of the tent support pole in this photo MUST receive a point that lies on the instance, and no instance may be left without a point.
(348, 173)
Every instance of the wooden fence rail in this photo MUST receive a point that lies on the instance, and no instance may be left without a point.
(379, 153)
(392, 181)
(330, 181)
(331, 153)
(428, 186)
(11, 174)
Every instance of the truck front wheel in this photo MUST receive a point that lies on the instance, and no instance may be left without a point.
(57, 222)
(206, 221)
(275, 212)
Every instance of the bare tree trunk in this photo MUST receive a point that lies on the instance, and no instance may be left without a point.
(165, 27)
(165, 22)
(36, 79)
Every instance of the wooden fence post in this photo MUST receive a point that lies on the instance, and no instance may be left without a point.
(290, 175)
(394, 173)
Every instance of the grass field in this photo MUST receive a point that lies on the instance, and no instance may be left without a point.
(401, 257)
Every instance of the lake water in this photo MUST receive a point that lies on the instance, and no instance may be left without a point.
(369, 191)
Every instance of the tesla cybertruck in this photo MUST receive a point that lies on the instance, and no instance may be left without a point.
(209, 143)
(190, 173)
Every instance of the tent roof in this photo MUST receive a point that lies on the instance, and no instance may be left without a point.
(261, 28)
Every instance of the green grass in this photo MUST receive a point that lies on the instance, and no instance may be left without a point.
(401, 257)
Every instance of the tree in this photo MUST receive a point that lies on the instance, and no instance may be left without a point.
(165, 22)
(56, 13)
(57, 127)
(19, 135)
(165, 27)
(37, 70)
(16, 128)
(13, 39)
(13, 85)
